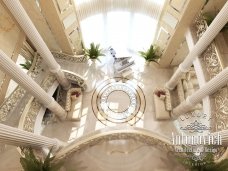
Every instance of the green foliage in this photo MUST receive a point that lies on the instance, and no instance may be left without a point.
(27, 65)
(94, 51)
(208, 17)
(207, 164)
(31, 163)
(151, 55)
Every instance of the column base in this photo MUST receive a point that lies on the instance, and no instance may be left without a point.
(63, 81)
(57, 110)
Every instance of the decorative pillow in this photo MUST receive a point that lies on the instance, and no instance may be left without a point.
(159, 92)
(167, 99)
(73, 97)
(162, 97)
(185, 85)
(183, 76)
(194, 82)
(190, 74)
(190, 85)
(74, 91)
(180, 92)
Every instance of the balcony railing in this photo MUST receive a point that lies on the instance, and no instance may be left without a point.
(9, 105)
(213, 65)
(210, 57)
(115, 133)
(32, 112)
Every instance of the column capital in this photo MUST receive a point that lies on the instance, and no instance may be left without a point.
(57, 109)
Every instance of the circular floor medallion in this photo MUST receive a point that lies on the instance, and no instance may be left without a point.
(116, 100)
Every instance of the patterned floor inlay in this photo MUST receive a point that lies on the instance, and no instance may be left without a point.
(118, 100)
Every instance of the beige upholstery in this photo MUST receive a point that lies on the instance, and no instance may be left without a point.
(73, 104)
(180, 92)
(76, 107)
(162, 105)
(168, 104)
(187, 86)
(68, 97)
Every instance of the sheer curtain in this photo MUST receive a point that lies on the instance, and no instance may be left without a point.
(122, 24)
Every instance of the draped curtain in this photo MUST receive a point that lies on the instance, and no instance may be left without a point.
(123, 24)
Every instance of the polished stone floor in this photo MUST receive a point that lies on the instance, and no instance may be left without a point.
(118, 100)
(146, 76)
(142, 83)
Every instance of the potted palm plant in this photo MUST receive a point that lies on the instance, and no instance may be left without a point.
(31, 163)
(151, 55)
(209, 17)
(27, 64)
(94, 52)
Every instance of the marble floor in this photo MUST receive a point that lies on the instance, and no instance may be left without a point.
(127, 155)
(146, 76)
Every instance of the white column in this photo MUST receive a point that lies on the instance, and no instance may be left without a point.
(10, 68)
(209, 35)
(209, 88)
(30, 30)
(17, 137)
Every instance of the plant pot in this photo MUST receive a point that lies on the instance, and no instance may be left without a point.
(93, 60)
(155, 65)
(147, 63)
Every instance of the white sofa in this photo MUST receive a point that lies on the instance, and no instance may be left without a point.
(187, 85)
(163, 106)
(73, 104)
